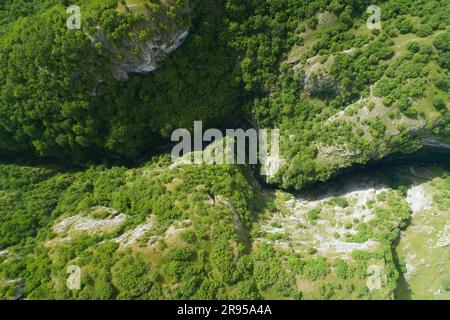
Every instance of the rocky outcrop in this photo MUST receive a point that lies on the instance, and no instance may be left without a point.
(88, 224)
(330, 234)
(148, 42)
(435, 143)
(134, 56)
(317, 83)
(316, 78)
(131, 237)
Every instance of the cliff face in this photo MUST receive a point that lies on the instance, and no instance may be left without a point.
(150, 37)
(134, 56)
(316, 78)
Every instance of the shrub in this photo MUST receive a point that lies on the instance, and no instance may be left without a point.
(442, 41)
(316, 268)
(340, 202)
(246, 290)
(442, 81)
(413, 46)
(404, 25)
(424, 30)
(313, 215)
(266, 274)
(342, 269)
(438, 102)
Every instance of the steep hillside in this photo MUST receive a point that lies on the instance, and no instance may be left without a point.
(423, 247)
(145, 233)
(341, 94)
(82, 108)
(211, 232)
(60, 94)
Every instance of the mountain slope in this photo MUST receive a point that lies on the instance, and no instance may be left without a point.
(207, 232)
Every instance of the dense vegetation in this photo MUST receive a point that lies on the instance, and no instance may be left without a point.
(52, 102)
(352, 60)
(201, 259)
(341, 94)
(203, 241)
(199, 245)
(236, 60)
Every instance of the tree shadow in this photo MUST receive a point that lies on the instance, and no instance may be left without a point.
(403, 290)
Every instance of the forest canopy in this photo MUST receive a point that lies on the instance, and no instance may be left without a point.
(85, 121)
(58, 97)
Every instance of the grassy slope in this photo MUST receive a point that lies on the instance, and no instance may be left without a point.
(423, 248)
